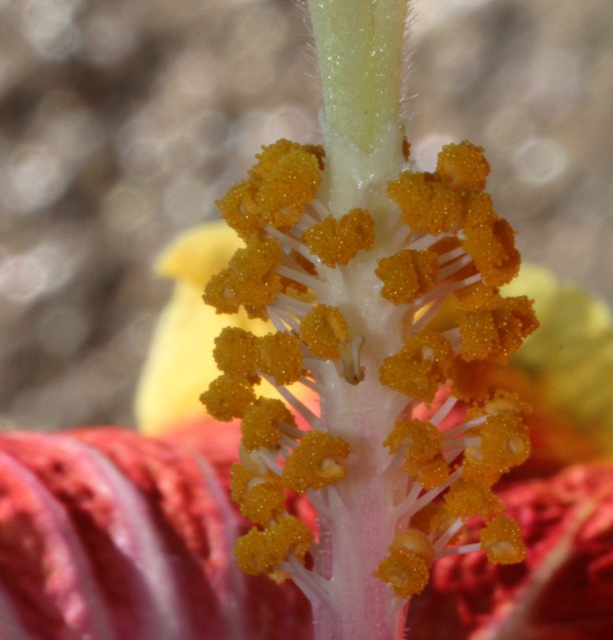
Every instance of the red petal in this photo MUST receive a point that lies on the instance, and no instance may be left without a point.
(107, 534)
(564, 589)
(46, 573)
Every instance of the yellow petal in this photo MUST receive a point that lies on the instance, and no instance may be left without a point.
(180, 365)
(571, 356)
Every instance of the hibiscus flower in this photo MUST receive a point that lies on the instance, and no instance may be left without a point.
(373, 474)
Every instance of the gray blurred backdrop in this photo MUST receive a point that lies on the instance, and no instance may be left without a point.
(122, 120)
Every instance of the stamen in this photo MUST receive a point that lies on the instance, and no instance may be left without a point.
(421, 241)
(319, 208)
(302, 278)
(441, 291)
(262, 458)
(463, 427)
(326, 501)
(451, 255)
(444, 410)
(288, 241)
(292, 431)
(289, 443)
(312, 585)
(459, 550)
(434, 493)
(292, 305)
(407, 506)
(446, 537)
(282, 320)
(455, 266)
(300, 408)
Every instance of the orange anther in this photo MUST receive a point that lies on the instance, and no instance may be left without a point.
(279, 355)
(407, 275)
(227, 397)
(501, 540)
(262, 422)
(322, 330)
(463, 166)
(336, 241)
(420, 367)
(406, 572)
(317, 462)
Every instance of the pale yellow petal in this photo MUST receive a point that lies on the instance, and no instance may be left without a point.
(180, 365)
(571, 355)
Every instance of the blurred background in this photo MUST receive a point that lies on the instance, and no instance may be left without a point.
(121, 121)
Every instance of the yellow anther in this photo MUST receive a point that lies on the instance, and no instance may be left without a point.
(407, 275)
(434, 473)
(491, 242)
(467, 499)
(262, 422)
(239, 209)
(504, 444)
(422, 440)
(267, 166)
(316, 462)
(423, 457)
(249, 280)
(426, 204)
(406, 572)
(258, 258)
(479, 211)
(227, 397)
(476, 296)
(496, 332)
(501, 540)
(260, 498)
(416, 542)
(259, 552)
(280, 356)
(463, 166)
(256, 284)
(255, 555)
(235, 352)
(289, 174)
(218, 293)
(280, 185)
(420, 367)
(322, 330)
(336, 241)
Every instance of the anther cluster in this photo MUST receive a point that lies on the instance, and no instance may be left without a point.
(401, 305)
